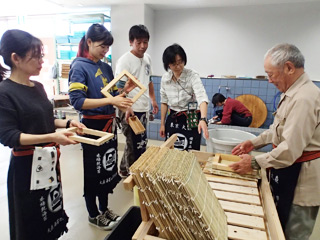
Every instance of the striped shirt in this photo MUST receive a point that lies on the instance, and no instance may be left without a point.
(177, 94)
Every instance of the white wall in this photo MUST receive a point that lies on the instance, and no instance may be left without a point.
(233, 41)
(122, 19)
(149, 23)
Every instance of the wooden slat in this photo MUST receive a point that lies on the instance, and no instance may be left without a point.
(105, 90)
(104, 136)
(242, 208)
(142, 230)
(241, 233)
(234, 181)
(234, 188)
(129, 183)
(149, 237)
(273, 222)
(242, 220)
(136, 125)
(237, 197)
(202, 156)
(169, 143)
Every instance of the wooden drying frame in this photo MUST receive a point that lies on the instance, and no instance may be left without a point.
(136, 125)
(147, 230)
(104, 136)
(106, 89)
(216, 162)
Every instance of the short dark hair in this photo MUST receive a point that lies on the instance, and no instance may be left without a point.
(96, 32)
(169, 55)
(138, 32)
(217, 98)
(19, 42)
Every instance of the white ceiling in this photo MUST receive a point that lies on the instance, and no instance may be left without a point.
(38, 7)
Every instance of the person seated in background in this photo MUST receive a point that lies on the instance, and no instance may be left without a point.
(234, 112)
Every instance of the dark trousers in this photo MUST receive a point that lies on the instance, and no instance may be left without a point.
(136, 145)
(92, 205)
(240, 120)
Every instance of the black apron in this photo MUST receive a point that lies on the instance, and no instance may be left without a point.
(283, 182)
(36, 214)
(101, 162)
(140, 141)
(188, 139)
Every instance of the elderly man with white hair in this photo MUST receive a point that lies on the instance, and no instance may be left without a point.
(294, 162)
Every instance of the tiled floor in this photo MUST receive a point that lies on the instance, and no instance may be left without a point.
(72, 180)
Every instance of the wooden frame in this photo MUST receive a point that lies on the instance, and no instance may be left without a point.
(105, 90)
(104, 136)
(248, 204)
(220, 162)
(136, 125)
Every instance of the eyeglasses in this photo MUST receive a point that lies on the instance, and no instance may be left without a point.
(36, 57)
(177, 63)
(40, 57)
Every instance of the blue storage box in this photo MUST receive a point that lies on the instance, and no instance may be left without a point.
(64, 54)
(62, 39)
(74, 39)
(79, 34)
(73, 54)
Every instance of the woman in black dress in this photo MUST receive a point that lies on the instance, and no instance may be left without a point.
(27, 125)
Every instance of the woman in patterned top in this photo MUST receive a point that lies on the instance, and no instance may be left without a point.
(182, 91)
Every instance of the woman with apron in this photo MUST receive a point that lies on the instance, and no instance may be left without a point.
(88, 75)
(182, 90)
(28, 126)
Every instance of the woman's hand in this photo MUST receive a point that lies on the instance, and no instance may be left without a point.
(62, 138)
(162, 131)
(122, 102)
(129, 86)
(79, 125)
(203, 126)
(243, 148)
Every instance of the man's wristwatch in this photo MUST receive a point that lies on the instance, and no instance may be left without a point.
(254, 164)
(204, 119)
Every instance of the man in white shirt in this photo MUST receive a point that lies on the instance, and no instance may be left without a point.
(138, 63)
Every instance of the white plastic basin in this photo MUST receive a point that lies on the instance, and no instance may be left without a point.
(224, 140)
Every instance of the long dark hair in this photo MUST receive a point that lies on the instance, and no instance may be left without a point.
(96, 33)
(19, 42)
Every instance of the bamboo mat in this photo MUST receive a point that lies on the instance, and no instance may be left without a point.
(178, 196)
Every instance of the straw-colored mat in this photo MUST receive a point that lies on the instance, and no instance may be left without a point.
(177, 195)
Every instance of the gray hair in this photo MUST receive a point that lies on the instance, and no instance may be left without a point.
(284, 52)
